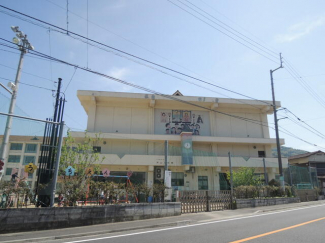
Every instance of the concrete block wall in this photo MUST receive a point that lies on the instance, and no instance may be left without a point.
(29, 219)
(248, 203)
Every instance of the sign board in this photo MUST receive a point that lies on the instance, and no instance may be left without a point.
(106, 172)
(129, 173)
(69, 171)
(30, 168)
(168, 178)
(90, 171)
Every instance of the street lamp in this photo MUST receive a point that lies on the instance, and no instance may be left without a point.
(24, 46)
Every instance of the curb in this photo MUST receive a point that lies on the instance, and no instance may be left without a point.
(42, 239)
(294, 205)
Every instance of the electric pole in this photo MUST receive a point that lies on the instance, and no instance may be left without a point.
(276, 126)
(23, 44)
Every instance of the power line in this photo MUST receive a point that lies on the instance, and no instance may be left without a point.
(138, 86)
(192, 104)
(125, 39)
(160, 94)
(236, 24)
(222, 32)
(131, 55)
(318, 132)
(75, 69)
(162, 71)
(3, 44)
(304, 84)
(35, 86)
(27, 73)
(237, 33)
(168, 96)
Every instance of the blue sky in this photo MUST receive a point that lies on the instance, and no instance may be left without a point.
(163, 33)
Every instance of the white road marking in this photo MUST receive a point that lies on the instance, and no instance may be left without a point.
(194, 225)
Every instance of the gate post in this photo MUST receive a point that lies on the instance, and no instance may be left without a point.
(207, 201)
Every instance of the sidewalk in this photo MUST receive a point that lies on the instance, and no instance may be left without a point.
(184, 219)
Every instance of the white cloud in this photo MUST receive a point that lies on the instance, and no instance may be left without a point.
(119, 73)
(299, 30)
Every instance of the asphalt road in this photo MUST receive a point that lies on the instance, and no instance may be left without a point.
(299, 225)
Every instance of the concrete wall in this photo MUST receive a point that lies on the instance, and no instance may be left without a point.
(28, 219)
(306, 195)
(248, 203)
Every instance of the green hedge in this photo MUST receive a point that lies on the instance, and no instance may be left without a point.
(264, 192)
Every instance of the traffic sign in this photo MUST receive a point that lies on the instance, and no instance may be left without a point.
(90, 171)
(69, 171)
(106, 172)
(129, 173)
(30, 168)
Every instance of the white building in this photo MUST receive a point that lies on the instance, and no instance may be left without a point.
(200, 131)
(22, 151)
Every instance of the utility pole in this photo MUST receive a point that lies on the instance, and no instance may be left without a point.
(276, 126)
(23, 44)
(231, 182)
(166, 155)
(265, 173)
(57, 164)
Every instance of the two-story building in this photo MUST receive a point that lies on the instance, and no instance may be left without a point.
(200, 131)
(22, 151)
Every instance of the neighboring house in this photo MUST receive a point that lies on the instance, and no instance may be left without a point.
(22, 151)
(134, 126)
(311, 160)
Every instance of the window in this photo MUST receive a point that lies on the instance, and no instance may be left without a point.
(203, 183)
(30, 176)
(30, 148)
(29, 159)
(16, 146)
(224, 182)
(261, 154)
(177, 179)
(8, 171)
(14, 158)
(97, 149)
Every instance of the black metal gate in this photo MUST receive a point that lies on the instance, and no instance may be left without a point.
(204, 201)
(49, 152)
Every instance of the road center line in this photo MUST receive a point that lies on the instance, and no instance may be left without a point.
(276, 231)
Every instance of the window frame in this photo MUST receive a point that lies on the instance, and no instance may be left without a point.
(14, 149)
(7, 169)
(31, 151)
(24, 161)
(180, 178)
(261, 153)
(97, 149)
(200, 179)
(14, 155)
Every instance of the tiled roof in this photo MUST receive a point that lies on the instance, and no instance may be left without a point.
(304, 155)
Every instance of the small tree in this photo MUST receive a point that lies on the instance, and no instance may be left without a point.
(244, 176)
(146, 190)
(80, 156)
(159, 191)
(15, 189)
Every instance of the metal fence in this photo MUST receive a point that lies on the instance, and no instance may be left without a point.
(204, 201)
